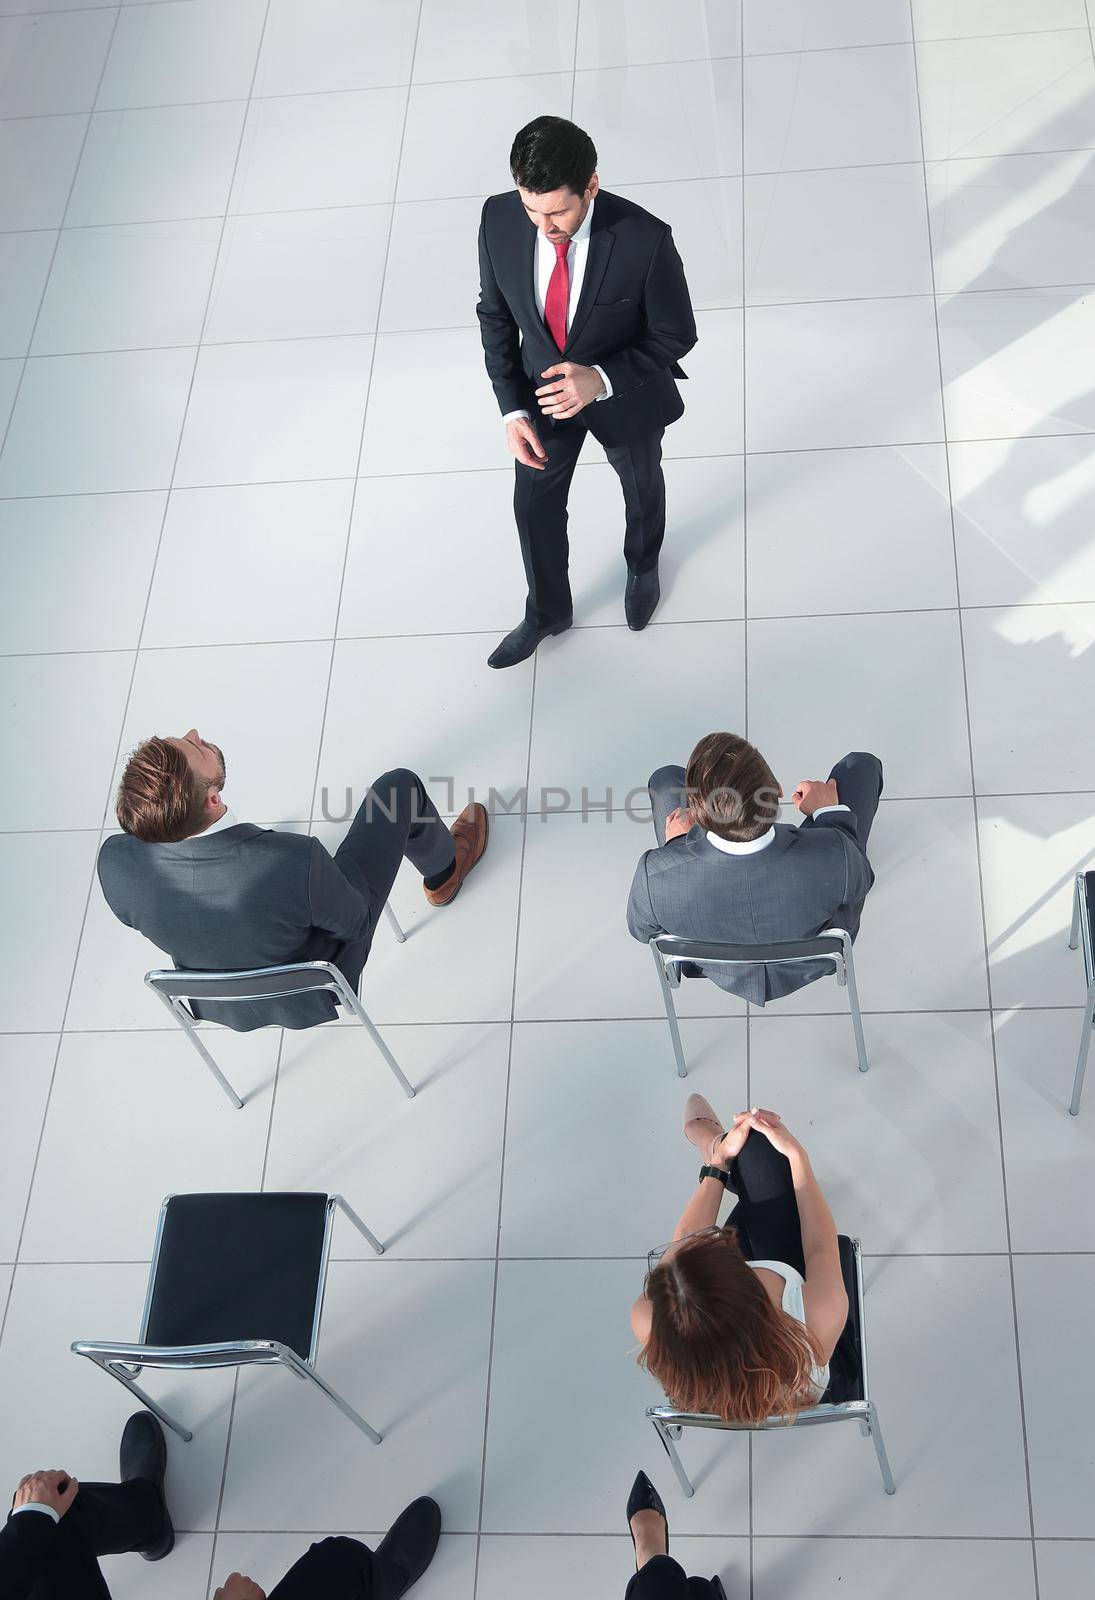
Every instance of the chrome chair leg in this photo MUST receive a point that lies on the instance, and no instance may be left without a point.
(875, 1429)
(363, 1017)
(670, 1015)
(671, 1451)
(146, 1400)
(853, 1006)
(1081, 1059)
(394, 921)
(301, 1369)
(365, 1232)
(186, 1022)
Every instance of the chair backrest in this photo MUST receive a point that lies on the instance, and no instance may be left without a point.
(824, 947)
(257, 983)
(851, 1267)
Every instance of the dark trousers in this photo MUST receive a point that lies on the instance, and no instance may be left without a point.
(105, 1519)
(664, 1579)
(540, 507)
(397, 818)
(334, 1569)
(858, 784)
(767, 1224)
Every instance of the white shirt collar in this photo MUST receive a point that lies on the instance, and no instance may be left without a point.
(733, 847)
(228, 820)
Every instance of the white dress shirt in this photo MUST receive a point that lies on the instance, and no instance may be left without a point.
(543, 266)
(33, 1505)
(734, 847)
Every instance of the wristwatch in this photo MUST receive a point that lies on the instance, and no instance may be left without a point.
(715, 1172)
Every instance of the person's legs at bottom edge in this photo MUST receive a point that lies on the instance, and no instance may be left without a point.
(662, 1578)
(104, 1519)
(667, 792)
(336, 1569)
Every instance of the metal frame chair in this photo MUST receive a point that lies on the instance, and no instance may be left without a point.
(174, 985)
(671, 953)
(1082, 933)
(669, 1423)
(122, 1361)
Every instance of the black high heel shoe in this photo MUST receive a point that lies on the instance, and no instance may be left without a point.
(644, 1497)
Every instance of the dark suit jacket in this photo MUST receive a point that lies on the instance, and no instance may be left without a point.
(243, 897)
(809, 878)
(28, 1545)
(633, 317)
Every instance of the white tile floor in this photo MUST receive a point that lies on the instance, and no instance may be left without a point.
(252, 477)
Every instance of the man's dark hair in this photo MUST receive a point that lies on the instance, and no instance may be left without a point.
(552, 153)
(731, 789)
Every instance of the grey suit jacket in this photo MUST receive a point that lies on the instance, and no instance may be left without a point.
(243, 897)
(809, 878)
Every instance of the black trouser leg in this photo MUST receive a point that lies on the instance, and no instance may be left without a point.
(639, 469)
(766, 1215)
(667, 792)
(859, 785)
(333, 1569)
(540, 509)
(662, 1578)
(105, 1519)
(397, 818)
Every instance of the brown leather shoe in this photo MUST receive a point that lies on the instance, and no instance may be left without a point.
(469, 836)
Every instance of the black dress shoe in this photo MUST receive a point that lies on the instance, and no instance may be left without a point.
(408, 1547)
(644, 1497)
(716, 1584)
(520, 644)
(143, 1454)
(641, 598)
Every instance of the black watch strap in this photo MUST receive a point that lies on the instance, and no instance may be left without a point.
(715, 1172)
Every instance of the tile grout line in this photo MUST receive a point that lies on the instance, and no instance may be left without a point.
(583, 466)
(745, 305)
(91, 883)
(505, 1131)
(977, 842)
(365, 415)
(745, 658)
(505, 77)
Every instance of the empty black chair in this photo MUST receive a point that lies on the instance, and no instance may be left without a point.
(236, 1280)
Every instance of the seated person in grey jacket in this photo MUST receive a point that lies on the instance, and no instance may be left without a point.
(220, 894)
(727, 870)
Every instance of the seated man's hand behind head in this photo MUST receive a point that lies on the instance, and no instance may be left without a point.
(237, 1587)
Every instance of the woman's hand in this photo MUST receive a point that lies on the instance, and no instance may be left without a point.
(771, 1125)
(731, 1142)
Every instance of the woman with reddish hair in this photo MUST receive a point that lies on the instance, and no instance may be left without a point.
(745, 1321)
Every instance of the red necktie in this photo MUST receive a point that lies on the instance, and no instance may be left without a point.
(558, 295)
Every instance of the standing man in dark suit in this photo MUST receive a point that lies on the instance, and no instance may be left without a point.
(221, 894)
(584, 313)
(727, 870)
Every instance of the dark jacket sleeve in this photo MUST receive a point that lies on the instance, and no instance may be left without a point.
(641, 921)
(26, 1543)
(336, 906)
(670, 325)
(500, 333)
(860, 876)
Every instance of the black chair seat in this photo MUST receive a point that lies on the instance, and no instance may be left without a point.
(238, 1266)
(1089, 897)
(846, 1365)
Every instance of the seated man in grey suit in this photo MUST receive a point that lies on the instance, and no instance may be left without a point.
(223, 895)
(726, 869)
